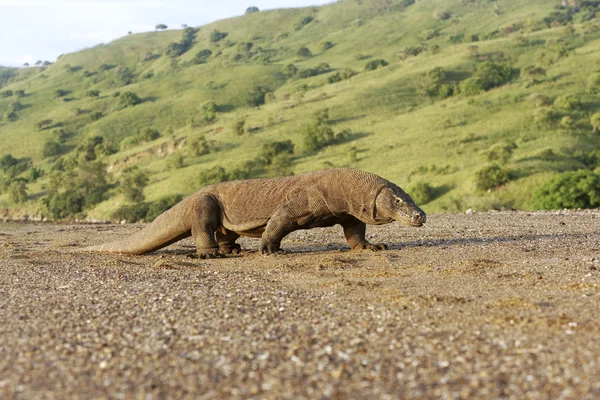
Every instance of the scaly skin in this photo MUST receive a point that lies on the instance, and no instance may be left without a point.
(272, 208)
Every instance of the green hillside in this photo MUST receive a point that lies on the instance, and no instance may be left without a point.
(470, 104)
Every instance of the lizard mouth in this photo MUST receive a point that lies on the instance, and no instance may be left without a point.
(417, 220)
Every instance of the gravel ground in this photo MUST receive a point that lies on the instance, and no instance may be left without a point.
(487, 305)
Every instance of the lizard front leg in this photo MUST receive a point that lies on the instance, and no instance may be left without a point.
(205, 224)
(354, 231)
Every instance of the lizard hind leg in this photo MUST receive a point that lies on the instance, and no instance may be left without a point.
(205, 224)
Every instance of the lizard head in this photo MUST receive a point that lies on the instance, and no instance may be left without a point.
(394, 204)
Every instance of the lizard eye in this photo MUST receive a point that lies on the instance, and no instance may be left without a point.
(397, 200)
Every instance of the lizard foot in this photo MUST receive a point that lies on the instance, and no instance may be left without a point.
(234, 248)
(206, 254)
(370, 246)
(269, 248)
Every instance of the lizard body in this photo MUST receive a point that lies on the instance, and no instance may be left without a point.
(218, 214)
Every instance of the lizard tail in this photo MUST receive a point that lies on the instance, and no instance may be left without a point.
(167, 228)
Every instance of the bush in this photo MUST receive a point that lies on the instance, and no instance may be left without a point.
(421, 192)
(326, 45)
(303, 52)
(215, 36)
(318, 134)
(567, 102)
(51, 148)
(10, 116)
(20, 93)
(149, 134)
(198, 147)
(341, 75)
(201, 57)
(491, 177)
(96, 115)
(252, 9)
(61, 92)
(17, 192)
(92, 93)
(573, 189)
(471, 86)
(7, 93)
(303, 22)
(7, 161)
(175, 162)
(213, 175)
(501, 152)
(132, 184)
(128, 99)
(374, 64)
(290, 70)
(593, 82)
(320, 69)
(161, 205)
(273, 149)
(256, 97)
(595, 121)
(238, 128)
(131, 213)
(64, 205)
(493, 75)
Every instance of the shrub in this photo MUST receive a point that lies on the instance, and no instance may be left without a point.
(471, 86)
(96, 115)
(92, 93)
(252, 9)
(421, 192)
(573, 189)
(132, 184)
(20, 93)
(161, 205)
(567, 102)
(544, 117)
(17, 192)
(318, 134)
(339, 76)
(201, 57)
(593, 82)
(374, 64)
(256, 97)
(213, 175)
(66, 204)
(239, 126)
(273, 149)
(131, 213)
(303, 52)
(320, 69)
(148, 134)
(216, 36)
(61, 92)
(493, 75)
(326, 45)
(7, 93)
(290, 70)
(533, 73)
(442, 15)
(595, 121)
(501, 152)
(128, 99)
(491, 177)
(198, 147)
(161, 27)
(43, 124)
(7, 161)
(303, 22)
(10, 116)
(174, 162)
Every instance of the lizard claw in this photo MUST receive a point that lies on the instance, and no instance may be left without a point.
(370, 246)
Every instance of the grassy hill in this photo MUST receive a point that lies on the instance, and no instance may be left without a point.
(463, 86)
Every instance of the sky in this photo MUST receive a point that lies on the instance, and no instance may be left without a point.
(34, 30)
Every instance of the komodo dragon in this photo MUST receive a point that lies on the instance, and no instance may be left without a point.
(272, 208)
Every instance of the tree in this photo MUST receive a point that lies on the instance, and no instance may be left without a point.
(256, 97)
(124, 75)
(374, 64)
(161, 27)
(201, 57)
(252, 9)
(290, 70)
(318, 134)
(10, 116)
(51, 148)
(273, 149)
